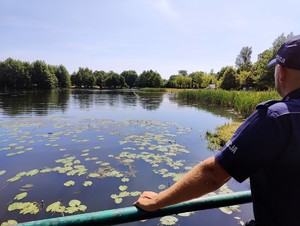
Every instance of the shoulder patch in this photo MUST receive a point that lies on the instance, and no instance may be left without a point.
(267, 103)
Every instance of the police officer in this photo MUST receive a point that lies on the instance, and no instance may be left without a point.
(266, 148)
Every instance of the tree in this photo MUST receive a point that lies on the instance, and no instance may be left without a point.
(149, 79)
(264, 75)
(246, 79)
(171, 83)
(130, 77)
(180, 81)
(220, 74)
(76, 80)
(14, 74)
(243, 60)
(229, 80)
(42, 77)
(62, 76)
(183, 72)
(114, 80)
(208, 80)
(100, 77)
(197, 78)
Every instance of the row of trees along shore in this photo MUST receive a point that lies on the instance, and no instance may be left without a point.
(15, 74)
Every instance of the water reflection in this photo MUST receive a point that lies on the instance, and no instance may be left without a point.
(216, 110)
(150, 101)
(44, 103)
(34, 103)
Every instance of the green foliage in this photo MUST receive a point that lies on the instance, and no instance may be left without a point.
(230, 80)
(243, 60)
(42, 77)
(197, 79)
(130, 77)
(14, 74)
(183, 72)
(221, 135)
(114, 80)
(62, 76)
(100, 77)
(149, 79)
(243, 102)
(171, 83)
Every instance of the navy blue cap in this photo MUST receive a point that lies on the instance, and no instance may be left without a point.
(288, 55)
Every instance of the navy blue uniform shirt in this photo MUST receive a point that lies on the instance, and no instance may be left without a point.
(266, 148)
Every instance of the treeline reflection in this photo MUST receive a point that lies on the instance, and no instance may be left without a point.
(43, 103)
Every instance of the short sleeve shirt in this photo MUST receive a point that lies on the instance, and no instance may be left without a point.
(266, 149)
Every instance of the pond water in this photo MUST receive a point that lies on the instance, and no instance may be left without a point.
(75, 151)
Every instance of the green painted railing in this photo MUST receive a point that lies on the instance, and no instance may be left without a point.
(130, 214)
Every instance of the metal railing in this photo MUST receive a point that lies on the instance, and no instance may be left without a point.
(130, 214)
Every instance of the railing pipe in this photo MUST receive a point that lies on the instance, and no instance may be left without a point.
(130, 214)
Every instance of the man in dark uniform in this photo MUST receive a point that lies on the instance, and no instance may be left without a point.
(266, 148)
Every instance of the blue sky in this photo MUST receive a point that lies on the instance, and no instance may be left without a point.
(162, 35)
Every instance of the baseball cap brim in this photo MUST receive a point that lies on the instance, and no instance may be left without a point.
(272, 62)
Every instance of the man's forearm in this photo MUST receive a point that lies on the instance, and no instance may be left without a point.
(202, 179)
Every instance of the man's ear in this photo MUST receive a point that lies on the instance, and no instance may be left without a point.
(282, 73)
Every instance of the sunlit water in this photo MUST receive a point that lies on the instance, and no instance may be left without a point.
(101, 148)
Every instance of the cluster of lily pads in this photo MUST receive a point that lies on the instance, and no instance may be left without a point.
(79, 145)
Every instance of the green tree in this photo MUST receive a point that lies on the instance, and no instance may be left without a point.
(229, 79)
(14, 74)
(243, 60)
(100, 77)
(246, 79)
(76, 80)
(171, 83)
(62, 76)
(183, 72)
(180, 81)
(208, 80)
(197, 79)
(114, 80)
(220, 74)
(42, 76)
(149, 79)
(130, 77)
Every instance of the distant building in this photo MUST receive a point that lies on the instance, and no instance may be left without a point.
(211, 86)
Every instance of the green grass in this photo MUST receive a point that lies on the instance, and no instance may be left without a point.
(221, 135)
(243, 102)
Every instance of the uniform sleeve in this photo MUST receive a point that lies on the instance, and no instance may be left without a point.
(256, 143)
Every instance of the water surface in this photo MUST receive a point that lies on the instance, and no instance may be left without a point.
(102, 148)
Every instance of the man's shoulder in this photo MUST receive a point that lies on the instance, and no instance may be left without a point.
(267, 104)
(280, 107)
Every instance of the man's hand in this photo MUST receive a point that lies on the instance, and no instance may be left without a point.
(147, 201)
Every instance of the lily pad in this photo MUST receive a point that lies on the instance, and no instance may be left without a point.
(226, 210)
(168, 220)
(9, 223)
(20, 196)
(54, 207)
(24, 207)
(87, 183)
(122, 187)
(74, 203)
(2, 172)
(69, 183)
(32, 172)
